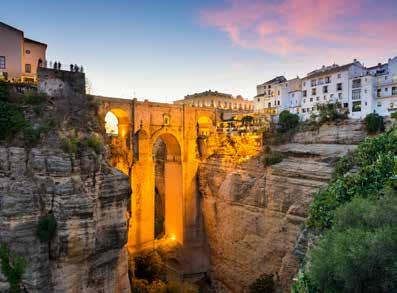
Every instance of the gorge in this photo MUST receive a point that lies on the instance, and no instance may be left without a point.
(234, 218)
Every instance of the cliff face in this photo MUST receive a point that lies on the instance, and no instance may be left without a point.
(89, 201)
(88, 198)
(253, 213)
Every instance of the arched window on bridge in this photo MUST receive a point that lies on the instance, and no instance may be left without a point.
(111, 124)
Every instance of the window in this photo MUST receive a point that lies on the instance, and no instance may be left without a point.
(2, 62)
(269, 105)
(27, 51)
(391, 105)
(313, 82)
(356, 106)
(339, 75)
(303, 110)
(339, 86)
(269, 86)
(318, 99)
(305, 93)
(378, 93)
(311, 99)
(356, 83)
(327, 79)
(278, 93)
(356, 95)
(28, 68)
(345, 105)
(304, 83)
(325, 89)
(314, 91)
(394, 90)
(304, 100)
(340, 96)
(259, 100)
(386, 89)
(379, 104)
(278, 102)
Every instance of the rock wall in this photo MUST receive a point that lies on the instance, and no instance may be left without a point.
(253, 213)
(89, 201)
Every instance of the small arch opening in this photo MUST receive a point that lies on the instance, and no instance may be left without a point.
(111, 124)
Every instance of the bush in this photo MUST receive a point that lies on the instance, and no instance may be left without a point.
(4, 91)
(272, 158)
(34, 98)
(287, 121)
(12, 267)
(343, 165)
(358, 254)
(376, 163)
(69, 146)
(46, 228)
(31, 136)
(11, 120)
(149, 265)
(330, 113)
(94, 143)
(264, 284)
(374, 123)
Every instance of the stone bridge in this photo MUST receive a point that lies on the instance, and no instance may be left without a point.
(140, 126)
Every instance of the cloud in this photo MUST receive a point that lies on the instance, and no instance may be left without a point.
(308, 27)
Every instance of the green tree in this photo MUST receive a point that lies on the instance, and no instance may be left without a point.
(374, 123)
(287, 121)
(359, 253)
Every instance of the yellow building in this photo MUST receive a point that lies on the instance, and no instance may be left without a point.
(19, 56)
(214, 99)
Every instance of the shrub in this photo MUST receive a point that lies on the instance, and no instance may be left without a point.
(302, 284)
(358, 254)
(31, 136)
(12, 267)
(376, 164)
(394, 115)
(343, 165)
(149, 265)
(287, 121)
(34, 98)
(4, 91)
(94, 143)
(330, 113)
(69, 146)
(264, 284)
(374, 123)
(11, 120)
(46, 228)
(272, 158)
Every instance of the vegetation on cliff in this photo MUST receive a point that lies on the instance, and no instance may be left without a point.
(149, 274)
(13, 267)
(356, 218)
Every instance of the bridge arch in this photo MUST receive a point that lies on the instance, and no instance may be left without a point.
(167, 187)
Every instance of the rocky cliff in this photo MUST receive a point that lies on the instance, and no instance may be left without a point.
(253, 213)
(87, 197)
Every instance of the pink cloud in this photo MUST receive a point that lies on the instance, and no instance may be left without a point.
(307, 27)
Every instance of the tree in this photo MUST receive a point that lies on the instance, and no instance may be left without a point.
(287, 121)
(374, 123)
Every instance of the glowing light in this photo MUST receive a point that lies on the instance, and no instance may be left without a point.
(172, 237)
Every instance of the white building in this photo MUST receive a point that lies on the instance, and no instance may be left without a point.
(353, 87)
(269, 95)
(330, 84)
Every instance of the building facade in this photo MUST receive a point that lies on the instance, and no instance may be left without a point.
(19, 56)
(214, 99)
(353, 87)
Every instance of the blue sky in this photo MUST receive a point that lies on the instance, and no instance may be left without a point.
(163, 50)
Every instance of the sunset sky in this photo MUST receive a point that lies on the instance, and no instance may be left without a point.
(163, 50)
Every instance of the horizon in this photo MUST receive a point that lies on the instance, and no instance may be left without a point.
(225, 46)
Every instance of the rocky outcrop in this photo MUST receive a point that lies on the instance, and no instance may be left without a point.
(345, 132)
(253, 213)
(89, 201)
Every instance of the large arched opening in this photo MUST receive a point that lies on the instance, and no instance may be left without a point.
(167, 188)
(117, 127)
